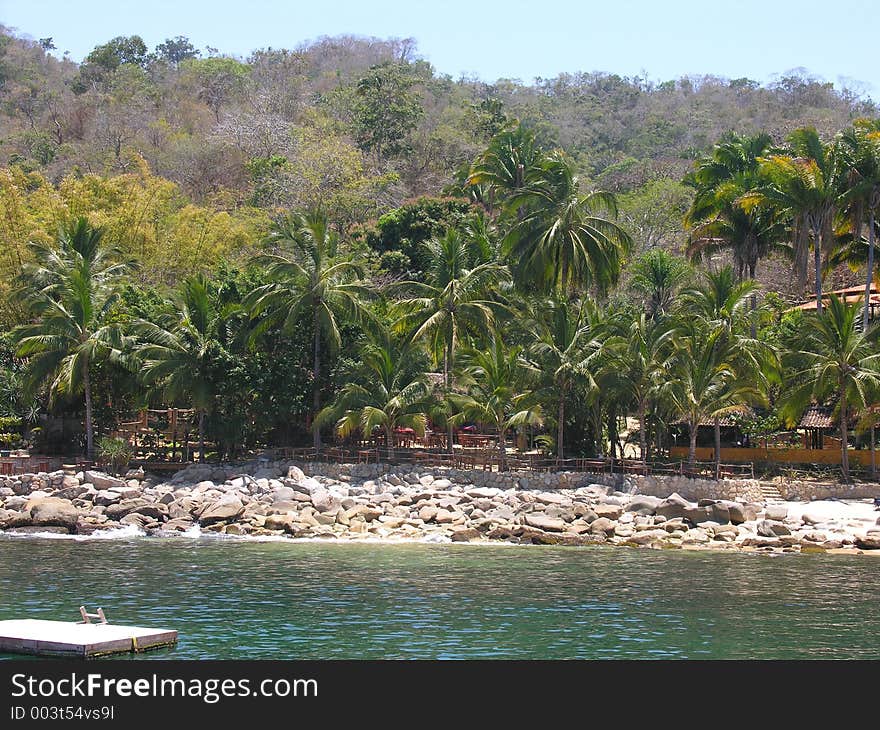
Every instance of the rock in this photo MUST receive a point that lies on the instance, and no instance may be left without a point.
(740, 513)
(55, 530)
(768, 528)
(119, 510)
(869, 542)
(427, 480)
(552, 498)
(70, 493)
(444, 516)
(776, 512)
(280, 508)
(324, 501)
(226, 509)
(487, 492)
(465, 534)
(543, 522)
(643, 504)
(699, 514)
(53, 512)
(101, 481)
(295, 473)
(428, 513)
(720, 513)
(609, 511)
(602, 525)
(649, 537)
(442, 484)
(178, 525)
(142, 522)
(673, 506)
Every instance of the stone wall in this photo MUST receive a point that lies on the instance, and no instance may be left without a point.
(807, 491)
(743, 490)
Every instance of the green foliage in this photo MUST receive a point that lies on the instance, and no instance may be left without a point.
(115, 450)
(386, 109)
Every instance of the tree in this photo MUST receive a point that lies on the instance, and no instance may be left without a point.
(218, 78)
(658, 275)
(803, 187)
(496, 392)
(454, 301)
(639, 357)
(716, 218)
(181, 352)
(386, 109)
(70, 291)
(502, 168)
(175, 50)
(860, 157)
(121, 49)
(388, 394)
(561, 341)
(564, 241)
(314, 279)
(831, 357)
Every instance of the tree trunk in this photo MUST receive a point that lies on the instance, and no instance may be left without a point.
(692, 452)
(501, 449)
(844, 447)
(870, 276)
(447, 378)
(817, 264)
(201, 435)
(717, 448)
(643, 441)
(873, 455)
(560, 426)
(316, 387)
(753, 327)
(90, 431)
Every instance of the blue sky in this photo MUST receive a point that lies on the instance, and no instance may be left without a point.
(759, 39)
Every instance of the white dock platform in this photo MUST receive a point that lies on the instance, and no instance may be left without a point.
(67, 639)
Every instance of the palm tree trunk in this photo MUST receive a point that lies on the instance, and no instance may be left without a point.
(447, 367)
(817, 265)
(873, 455)
(501, 449)
(717, 447)
(692, 452)
(201, 435)
(643, 440)
(844, 447)
(753, 327)
(316, 388)
(90, 431)
(560, 426)
(870, 276)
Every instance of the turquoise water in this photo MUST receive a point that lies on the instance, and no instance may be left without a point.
(280, 600)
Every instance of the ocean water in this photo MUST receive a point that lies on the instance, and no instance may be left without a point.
(239, 599)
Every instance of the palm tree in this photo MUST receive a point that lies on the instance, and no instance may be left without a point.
(455, 300)
(314, 281)
(388, 396)
(833, 358)
(719, 304)
(702, 379)
(564, 240)
(70, 292)
(562, 341)
(497, 394)
(639, 357)
(718, 221)
(658, 275)
(860, 157)
(802, 186)
(181, 353)
(502, 168)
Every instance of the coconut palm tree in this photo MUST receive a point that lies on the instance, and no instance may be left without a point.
(860, 158)
(832, 358)
(720, 304)
(496, 392)
(561, 343)
(563, 241)
(309, 277)
(70, 291)
(455, 300)
(388, 394)
(182, 353)
(502, 168)
(659, 275)
(802, 186)
(639, 357)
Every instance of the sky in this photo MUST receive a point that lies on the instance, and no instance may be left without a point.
(758, 39)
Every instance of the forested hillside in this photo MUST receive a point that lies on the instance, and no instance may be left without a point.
(186, 154)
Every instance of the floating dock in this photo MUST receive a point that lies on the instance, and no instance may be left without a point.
(68, 639)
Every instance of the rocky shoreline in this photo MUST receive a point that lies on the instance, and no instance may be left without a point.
(279, 500)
